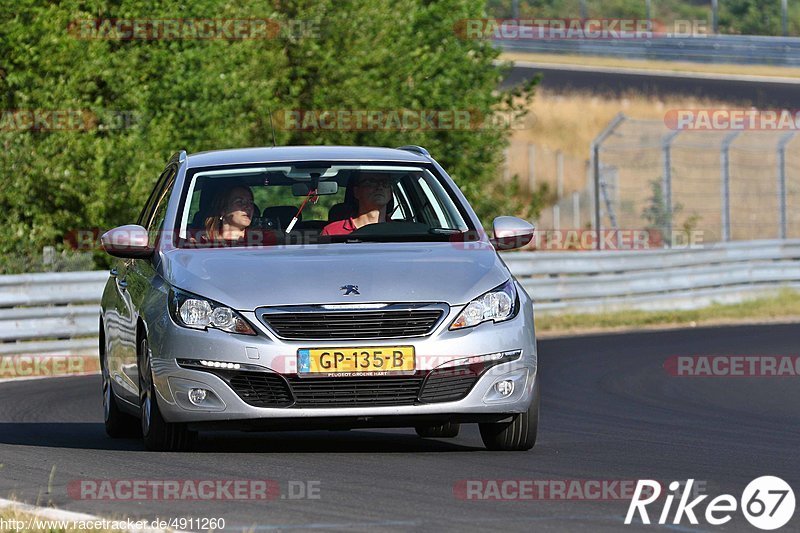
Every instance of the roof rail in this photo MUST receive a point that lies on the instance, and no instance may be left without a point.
(180, 155)
(416, 149)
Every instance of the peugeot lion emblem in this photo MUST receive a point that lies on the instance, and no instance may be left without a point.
(349, 289)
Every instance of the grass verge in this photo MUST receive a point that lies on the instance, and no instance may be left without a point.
(17, 521)
(785, 307)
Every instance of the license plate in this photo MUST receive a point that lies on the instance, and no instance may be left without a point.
(356, 361)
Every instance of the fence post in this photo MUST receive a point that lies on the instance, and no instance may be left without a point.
(576, 210)
(48, 257)
(785, 17)
(666, 184)
(726, 185)
(595, 155)
(559, 174)
(531, 168)
(786, 139)
(556, 217)
(714, 17)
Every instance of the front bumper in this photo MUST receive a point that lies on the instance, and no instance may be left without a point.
(227, 408)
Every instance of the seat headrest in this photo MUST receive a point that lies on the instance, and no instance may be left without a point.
(282, 214)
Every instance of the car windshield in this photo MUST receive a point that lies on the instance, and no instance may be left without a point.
(316, 203)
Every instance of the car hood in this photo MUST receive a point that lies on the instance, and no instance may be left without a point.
(247, 278)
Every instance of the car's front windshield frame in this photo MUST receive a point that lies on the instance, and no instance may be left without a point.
(180, 228)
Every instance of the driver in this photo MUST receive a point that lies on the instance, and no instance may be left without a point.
(372, 192)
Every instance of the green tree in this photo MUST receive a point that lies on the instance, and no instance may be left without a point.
(750, 17)
(657, 213)
(210, 94)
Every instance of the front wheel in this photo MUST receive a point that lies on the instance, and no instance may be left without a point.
(118, 424)
(158, 434)
(517, 435)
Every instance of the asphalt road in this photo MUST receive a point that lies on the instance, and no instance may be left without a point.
(610, 412)
(762, 94)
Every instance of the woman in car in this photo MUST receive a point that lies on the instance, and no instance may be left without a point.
(232, 213)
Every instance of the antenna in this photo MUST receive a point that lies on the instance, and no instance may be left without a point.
(272, 127)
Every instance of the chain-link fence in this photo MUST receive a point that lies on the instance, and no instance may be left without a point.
(567, 178)
(722, 185)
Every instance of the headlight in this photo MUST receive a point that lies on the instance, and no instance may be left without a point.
(497, 305)
(192, 311)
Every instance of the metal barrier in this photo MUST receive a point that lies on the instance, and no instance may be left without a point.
(57, 313)
(585, 282)
(740, 49)
(50, 313)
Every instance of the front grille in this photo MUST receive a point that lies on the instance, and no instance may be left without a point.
(374, 324)
(269, 389)
(261, 389)
(449, 384)
(347, 392)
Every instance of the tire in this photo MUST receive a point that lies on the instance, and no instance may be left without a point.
(119, 425)
(517, 435)
(447, 430)
(157, 433)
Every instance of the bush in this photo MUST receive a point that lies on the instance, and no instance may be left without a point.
(152, 98)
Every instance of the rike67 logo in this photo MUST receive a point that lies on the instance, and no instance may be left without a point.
(767, 503)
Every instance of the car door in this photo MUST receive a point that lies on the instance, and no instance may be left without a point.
(133, 282)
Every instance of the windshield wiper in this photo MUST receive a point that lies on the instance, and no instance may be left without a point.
(444, 231)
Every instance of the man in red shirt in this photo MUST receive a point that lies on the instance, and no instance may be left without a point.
(373, 192)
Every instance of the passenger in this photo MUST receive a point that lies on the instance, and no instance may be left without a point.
(232, 213)
(373, 193)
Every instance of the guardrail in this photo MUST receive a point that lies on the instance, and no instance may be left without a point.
(740, 49)
(50, 313)
(58, 312)
(585, 282)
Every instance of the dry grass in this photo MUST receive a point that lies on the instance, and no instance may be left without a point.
(568, 123)
(571, 122)
(673, 66)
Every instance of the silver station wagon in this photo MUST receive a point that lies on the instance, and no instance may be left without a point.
(327, 287)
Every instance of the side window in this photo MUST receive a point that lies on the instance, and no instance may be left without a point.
(401, 199)
(160, 201)
(166, 176)
(431, 207)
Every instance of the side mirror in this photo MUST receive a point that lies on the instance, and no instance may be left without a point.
(511, 233)
(128, 242)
